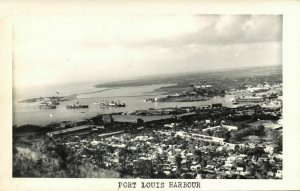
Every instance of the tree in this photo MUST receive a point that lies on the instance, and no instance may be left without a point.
(276, 138)
(61, 151)
(254, 139)
(178, 160)
(236, 148)
(146, 169)
(265, 167)
(99, 155)
(258, 151)
(198, 153)
(139, 121)
(110, 149)
(203, 163)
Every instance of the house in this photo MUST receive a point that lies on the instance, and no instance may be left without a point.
(207, 121)
(132, 148)
(279, 174)
(94, 143)
(270, 174)
(177, 151)
(174, 169)
(242, 156)
(162, 98)
(210, 166)
(239, 169)
(230, 127)
(183, 161)
(195, 167)
(232, 158)
(189, 155)
(269, 149)
(228, 162)
(220, 148)
(228, 165)
(169, 125)
(277, 156)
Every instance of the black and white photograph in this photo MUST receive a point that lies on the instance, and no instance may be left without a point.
(137, 97)
(140, 99)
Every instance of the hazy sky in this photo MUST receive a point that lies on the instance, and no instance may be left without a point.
(53, 49)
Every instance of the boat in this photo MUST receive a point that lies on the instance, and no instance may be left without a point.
(55, 101)
(250, 99)
(235, 102)
(112, 104)
(117, 104)
(47, 106)
(247, 99)
(76, 106)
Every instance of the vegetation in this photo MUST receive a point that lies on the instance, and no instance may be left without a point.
(241, 134)
(29, 163)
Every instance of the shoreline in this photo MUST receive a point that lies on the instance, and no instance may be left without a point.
(67, 97)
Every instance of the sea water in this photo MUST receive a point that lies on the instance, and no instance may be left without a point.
(134, 97)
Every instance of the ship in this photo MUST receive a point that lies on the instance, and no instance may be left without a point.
(249, 99)
(76, 106)
(47, 105)
(112, 104)
(55, 101)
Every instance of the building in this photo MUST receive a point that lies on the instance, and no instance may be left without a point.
(228, 127)
(79, 130)
(216, 105)
(279, 174)
(203, 86)
(158, 99)
(184, 115)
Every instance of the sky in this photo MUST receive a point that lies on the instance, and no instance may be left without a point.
(88, 48)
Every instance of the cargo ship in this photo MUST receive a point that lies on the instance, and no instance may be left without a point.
(76, 106)
(47, 106)
(112, 104)
(247, 100)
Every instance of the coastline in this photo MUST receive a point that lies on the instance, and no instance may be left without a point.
(65, 98)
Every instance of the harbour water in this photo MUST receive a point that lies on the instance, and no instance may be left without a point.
(30, 113)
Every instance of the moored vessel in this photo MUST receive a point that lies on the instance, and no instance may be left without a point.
(76, 106)
(112, 104)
